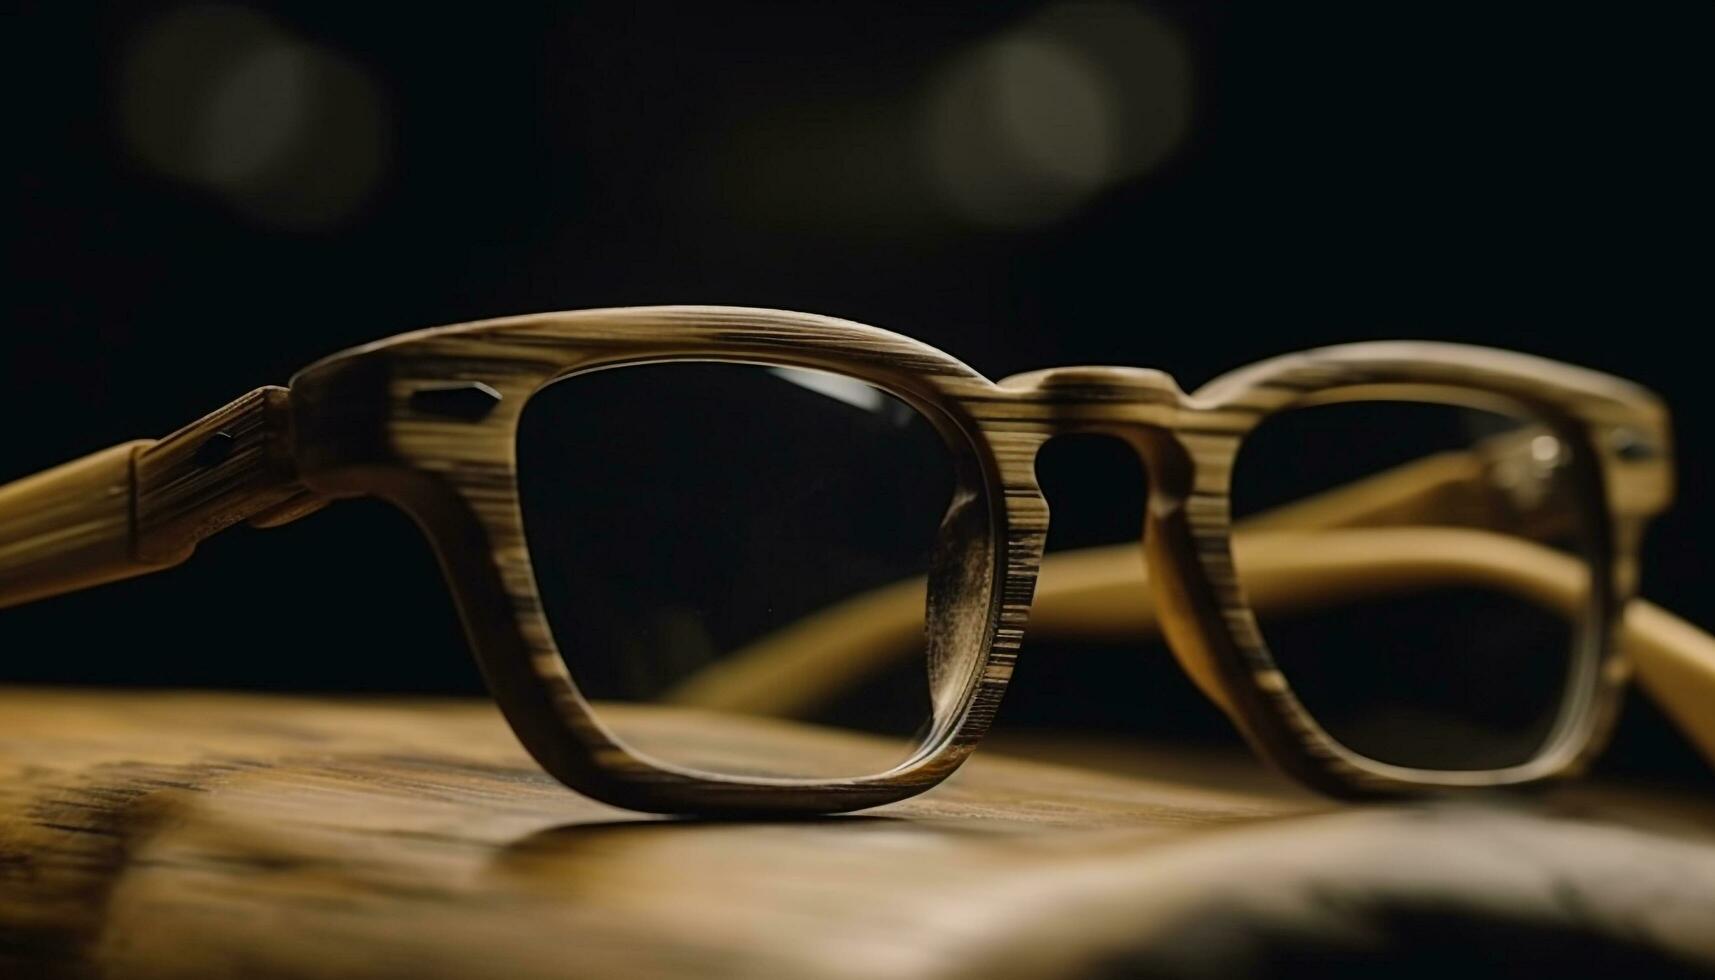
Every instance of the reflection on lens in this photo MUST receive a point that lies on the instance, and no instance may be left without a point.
(695, 526)
(1449, 660)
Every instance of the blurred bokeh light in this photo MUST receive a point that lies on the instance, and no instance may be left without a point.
(1031, 124)
(291, 133)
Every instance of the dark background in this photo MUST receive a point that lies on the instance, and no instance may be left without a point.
(208, 198)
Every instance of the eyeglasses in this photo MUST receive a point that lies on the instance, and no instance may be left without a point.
(724, 560)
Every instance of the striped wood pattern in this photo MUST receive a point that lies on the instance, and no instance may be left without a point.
(186, 493)
(181, 836)
(68, 528)
(358, 423)
(143, 506)
(361, 431)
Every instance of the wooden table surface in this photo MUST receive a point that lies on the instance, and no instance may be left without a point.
(206, 835)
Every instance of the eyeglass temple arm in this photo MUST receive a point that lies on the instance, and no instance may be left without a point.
(143, 506)
(1101, 593)
(797, 665)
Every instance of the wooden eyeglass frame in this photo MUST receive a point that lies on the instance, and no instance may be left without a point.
(427, 420)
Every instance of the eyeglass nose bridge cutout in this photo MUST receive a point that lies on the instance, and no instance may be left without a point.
(1142, 407)
(1146, 409)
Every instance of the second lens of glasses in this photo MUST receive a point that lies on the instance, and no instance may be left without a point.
(1446, 617)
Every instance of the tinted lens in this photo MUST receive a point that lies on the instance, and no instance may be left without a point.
(1465, 618)
(715, 543)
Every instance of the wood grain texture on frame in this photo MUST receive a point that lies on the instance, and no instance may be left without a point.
(362, 425)
(428, 420)
(143, 506)
(69, 527)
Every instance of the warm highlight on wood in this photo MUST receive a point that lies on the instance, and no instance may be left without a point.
(1103, 592)
(1093, 594)
(143, 506)
(214, 473)
(68, 528)
(1293, 561)
(223, 837)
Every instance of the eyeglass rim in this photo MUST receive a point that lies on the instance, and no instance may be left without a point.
(359, 433)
